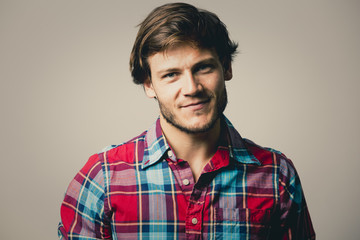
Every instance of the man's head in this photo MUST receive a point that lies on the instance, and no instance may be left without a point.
(177, 23)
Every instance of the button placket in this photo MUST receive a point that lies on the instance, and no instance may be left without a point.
(194, 217)
(186, 182)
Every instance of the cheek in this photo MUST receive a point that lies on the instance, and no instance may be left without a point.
(215, 82)
(218, 87)
(168, 93)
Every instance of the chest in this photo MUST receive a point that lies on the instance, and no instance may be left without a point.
(164, 202)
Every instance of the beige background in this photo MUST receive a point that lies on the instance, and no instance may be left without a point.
(66, 92)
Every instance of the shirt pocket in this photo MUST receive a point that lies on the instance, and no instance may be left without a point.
(244, 223)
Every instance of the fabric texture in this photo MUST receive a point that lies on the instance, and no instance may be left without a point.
(140, 190)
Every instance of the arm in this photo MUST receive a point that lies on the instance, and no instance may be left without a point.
(293, 219)
(84, 211)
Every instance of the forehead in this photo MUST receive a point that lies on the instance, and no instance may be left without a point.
(180, 56)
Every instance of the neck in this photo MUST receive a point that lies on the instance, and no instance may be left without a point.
(192, 147)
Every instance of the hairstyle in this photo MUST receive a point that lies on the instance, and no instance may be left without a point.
(175, 23)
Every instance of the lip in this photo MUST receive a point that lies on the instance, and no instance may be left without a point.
(196, 105)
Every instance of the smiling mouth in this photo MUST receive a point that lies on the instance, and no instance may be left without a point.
(196, 105)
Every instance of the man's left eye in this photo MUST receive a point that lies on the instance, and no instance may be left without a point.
(205, 68)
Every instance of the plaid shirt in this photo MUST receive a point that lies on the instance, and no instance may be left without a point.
(140, 190)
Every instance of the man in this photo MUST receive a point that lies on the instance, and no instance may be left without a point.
(191, 175)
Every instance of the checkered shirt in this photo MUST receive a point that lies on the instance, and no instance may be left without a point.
(140, 190)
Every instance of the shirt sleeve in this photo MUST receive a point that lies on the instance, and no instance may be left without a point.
(84, 211)
(294, 220)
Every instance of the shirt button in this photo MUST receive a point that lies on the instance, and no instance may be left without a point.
(170, 154)
(186, 182)
(194, 221)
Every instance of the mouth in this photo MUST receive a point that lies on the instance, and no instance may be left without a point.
(198, 105)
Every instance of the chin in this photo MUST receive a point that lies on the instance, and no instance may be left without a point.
(194, 125)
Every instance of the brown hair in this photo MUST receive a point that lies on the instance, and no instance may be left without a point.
(175, 23)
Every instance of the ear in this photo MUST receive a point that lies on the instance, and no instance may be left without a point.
(149, 89)
(228, 73)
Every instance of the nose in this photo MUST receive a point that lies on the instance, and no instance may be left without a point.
(191, 85)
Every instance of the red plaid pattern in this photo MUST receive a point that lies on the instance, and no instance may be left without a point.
(140, 190)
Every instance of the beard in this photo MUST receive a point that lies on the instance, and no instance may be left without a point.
(220, 106)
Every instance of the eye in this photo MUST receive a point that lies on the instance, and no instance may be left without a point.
(205, 68)
(169, 75)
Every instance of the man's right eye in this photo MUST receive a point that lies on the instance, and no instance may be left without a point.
(169, 75)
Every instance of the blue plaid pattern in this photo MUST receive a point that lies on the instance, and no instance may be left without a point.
(140, 190)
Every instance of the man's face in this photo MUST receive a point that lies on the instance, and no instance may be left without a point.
(189, 84)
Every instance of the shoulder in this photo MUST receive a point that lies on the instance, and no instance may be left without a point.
(124, 151)
(267, 155)
(113, 154)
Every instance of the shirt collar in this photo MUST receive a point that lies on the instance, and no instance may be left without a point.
(156, 146)
(238, 149)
